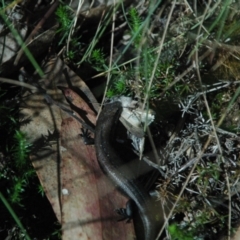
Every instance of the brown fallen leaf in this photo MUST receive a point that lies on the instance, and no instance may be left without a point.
(81, 196)
(88, 207)
(97, 197)
(80, 106)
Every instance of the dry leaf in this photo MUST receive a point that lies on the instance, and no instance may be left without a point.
(81, 196)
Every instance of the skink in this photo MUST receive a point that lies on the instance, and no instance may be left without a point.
(112, 164)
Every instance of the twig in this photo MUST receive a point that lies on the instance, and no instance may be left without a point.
(48, 98)
(111, 54)
(219, 147)
(193, 160)
(35, 30)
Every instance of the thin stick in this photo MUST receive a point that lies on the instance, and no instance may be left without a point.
(35, 30)
(111, 54)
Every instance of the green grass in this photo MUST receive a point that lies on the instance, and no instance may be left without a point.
(15, 217)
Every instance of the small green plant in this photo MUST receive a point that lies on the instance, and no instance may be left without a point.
(120, 85)
(57, 232)
(110, 93)
(71, 55)
(165, 72)
(74, 48)
(41, 190)
(133, 78)
(21, 149)
(23, 171)
(16, 170)
(65, 20)
(178, 233)
(135, 24)
(97, 59)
